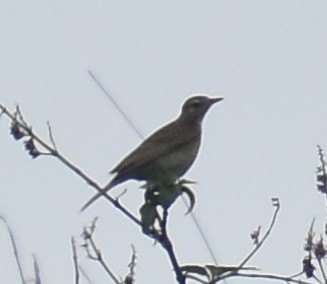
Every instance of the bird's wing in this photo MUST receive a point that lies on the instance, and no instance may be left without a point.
(163, 141)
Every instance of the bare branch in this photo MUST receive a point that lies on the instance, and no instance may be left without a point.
(168, 246)
(93, 252)
(55, 153)
(51, 136)
(87, 278)
(271, 277)
(322, 270)
(276, 204)
(130, 278)
(75, 261)
(197, 279)
(318, 280)
(14, 246)
(36, 271)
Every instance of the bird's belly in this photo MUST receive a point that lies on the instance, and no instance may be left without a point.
(175, 164)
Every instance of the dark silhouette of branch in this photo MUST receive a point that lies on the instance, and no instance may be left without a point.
(28, 133)
(271, 277)
(75, 260)
(14, 246)
(258, 243)
(322, 270)
(276, 204)
(86, 277)
(36, 271)
(53, 142)
(130, 278)
(321, 173)
(167, 244)
(93, 252)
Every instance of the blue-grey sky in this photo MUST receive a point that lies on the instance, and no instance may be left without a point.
(267, 58)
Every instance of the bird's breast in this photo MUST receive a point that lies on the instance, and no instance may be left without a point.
(179, 160)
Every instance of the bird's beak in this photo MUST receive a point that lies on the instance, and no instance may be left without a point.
(215, 100)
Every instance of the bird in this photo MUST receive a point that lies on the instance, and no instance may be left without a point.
(168, 153)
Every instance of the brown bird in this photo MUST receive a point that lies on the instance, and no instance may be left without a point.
(169, 152)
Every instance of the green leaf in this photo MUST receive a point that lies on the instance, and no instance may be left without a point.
(211, 271)
(148, 214)
(191, 197)
(194, 268)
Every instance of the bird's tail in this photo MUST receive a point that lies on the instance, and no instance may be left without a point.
(98, 195)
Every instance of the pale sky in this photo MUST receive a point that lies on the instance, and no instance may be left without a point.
(267, 58)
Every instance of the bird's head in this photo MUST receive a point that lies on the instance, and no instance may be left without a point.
(196, 107)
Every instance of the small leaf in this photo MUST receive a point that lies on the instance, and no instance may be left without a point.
(162, 194)
(275, 202)
(191, 197)
(211, 271)
(308, 267)
(320, 249)
(148, 214)
(255, 235)
(194, 268)
(31, 148)
(16, 131)
(217, 270)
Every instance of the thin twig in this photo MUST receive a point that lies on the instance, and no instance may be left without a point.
(97, 255)
(190, 276)
(130, 278)
(322, 270)
(75, 260)
(322, 163)
(36, 271)
(257, 247)
(167, 244)
(87, 278)
(53, 142)
(55, 153)
(269, 276)
(21, 118)
(318, 280)
(14, 246)
(296, 274)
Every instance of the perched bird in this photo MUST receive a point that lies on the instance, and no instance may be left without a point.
(169, 152)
